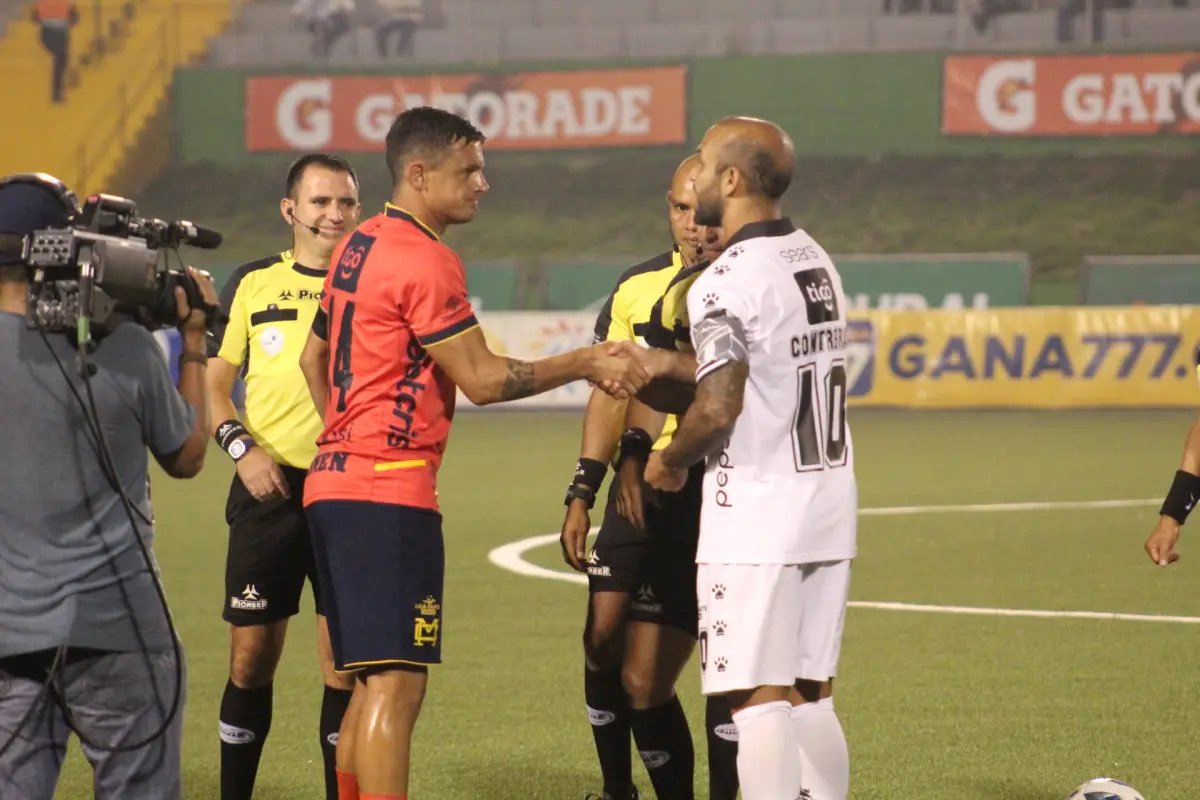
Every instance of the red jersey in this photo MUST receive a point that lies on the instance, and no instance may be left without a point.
(394, 290)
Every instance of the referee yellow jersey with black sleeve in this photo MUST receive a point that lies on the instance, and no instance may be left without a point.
(271, 304)
(670, 327)
(626, 314)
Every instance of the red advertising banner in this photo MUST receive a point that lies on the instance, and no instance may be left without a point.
(522, 111)
(1104, 95)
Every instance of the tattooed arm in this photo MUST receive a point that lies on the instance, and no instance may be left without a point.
(710, 419)
(723, 359)
(487, 378)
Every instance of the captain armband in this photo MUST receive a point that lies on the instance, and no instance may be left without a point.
(1181, 499)
(229, 437)
(720, 338)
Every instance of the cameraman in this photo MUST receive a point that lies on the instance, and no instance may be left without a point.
(85, 645)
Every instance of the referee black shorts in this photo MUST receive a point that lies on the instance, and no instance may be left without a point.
(270, 554)
(656, 566)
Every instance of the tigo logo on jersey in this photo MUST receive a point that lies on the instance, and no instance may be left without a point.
(820, 300)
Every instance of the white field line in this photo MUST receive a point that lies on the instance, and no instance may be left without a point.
(510, 557)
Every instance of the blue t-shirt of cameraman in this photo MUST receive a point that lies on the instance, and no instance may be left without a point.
(71, 570)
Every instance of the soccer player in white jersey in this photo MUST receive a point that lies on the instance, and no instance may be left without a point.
(778, 525)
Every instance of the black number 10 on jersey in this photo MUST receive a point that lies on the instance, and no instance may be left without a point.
(819, 438)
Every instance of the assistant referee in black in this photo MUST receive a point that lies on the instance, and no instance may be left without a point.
(271, 303)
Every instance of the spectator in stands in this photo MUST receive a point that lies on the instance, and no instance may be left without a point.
(1068, 10)
(56, 18)
(988, 10)
(327, 20)
(400, 17)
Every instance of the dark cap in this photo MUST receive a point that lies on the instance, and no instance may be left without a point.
(32, 202)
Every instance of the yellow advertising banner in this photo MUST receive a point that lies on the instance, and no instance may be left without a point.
(1052, 357)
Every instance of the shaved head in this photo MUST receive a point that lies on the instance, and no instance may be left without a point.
(742, 158)
(760, 150)
(684, 174)
(694, 241)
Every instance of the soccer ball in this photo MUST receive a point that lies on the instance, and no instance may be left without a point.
(1105, 789)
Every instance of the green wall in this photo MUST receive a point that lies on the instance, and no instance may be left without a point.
(841, 104)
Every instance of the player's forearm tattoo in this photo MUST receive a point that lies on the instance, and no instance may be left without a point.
(519, 382)
(711, 418)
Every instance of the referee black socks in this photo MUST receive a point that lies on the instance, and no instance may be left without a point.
(722, 749)
(333, 708)
(665, 744)
(608, 711)
(245, 723)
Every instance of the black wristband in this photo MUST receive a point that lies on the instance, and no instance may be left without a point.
(635, 443)
(1181, 499)
(590, 473)
(193, 357)
(229, 432)
(577, 491)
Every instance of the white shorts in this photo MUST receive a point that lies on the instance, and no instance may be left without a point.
(770, 624)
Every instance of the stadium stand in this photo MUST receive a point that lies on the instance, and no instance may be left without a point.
(270, 33)
(131, 49)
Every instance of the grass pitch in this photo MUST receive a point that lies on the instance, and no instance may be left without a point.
(936, 706)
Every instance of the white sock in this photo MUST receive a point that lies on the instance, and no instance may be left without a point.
(826, 759)
(768, 760)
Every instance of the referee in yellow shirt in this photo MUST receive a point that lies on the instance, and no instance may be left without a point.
(271, 303)
(641, 619)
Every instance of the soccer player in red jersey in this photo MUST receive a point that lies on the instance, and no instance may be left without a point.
(394, 338)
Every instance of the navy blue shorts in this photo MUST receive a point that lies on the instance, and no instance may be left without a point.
(381, 568)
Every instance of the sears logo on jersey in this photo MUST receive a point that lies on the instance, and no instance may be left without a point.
(820, 300)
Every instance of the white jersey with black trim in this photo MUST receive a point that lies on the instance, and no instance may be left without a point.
(782, 489)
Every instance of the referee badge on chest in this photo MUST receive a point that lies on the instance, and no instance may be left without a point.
(271, 340)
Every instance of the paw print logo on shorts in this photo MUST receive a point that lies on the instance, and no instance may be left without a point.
(711, 299)
(721, 269)
(719, 591)
(719, 627)
(734, 251)
(721, 663)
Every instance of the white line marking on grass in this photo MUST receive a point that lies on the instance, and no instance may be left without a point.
(1022, 612)
(1075, 505)
(510, 557)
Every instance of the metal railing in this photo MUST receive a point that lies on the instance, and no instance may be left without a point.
(110, 130)
(107, 137)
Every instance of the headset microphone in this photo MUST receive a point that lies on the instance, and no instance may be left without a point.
(315, 230)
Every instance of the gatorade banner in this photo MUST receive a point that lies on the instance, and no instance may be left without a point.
(1121, 94)
(519, 111)
(1054, 357)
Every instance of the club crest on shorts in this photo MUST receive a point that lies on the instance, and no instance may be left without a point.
(425, 631)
